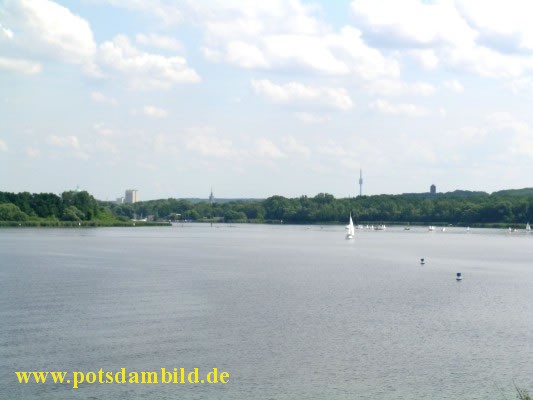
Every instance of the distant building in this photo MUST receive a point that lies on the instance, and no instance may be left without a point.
(132, 196)
(433, 189)
(120, 200)
(360, 182)
(211, 197)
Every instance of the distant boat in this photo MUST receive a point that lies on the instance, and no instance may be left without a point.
(468, 229)
(422, 261)
(458, 276)
(528, 228)
(381, 227)
(431, 228)
(350, 228)
(443, 229)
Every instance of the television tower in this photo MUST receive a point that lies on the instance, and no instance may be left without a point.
(360, 182)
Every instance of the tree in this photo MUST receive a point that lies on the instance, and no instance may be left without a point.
(72, 213)
(10, 212)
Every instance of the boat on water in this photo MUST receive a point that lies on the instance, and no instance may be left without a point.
(350, 229)
(528, 228)
(458, 276)
(431, 228)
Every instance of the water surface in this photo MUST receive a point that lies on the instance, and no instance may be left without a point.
(291, 312)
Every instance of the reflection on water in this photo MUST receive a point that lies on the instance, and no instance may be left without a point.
(292, 312)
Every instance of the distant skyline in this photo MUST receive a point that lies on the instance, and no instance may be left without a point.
(262, 98)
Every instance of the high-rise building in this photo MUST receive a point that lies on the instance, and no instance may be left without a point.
(131, 196)
(360, 182)
(211, 197)
(433, 189)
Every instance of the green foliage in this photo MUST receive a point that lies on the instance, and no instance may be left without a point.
(235, 216)
(458, 208)
(70, 206)
(71, 213)
(10, 212)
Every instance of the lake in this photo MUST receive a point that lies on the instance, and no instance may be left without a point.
(291, 312)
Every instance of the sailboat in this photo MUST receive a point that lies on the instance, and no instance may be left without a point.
(528, 228)
(350, 229)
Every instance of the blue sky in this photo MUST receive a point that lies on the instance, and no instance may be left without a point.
(256, 98)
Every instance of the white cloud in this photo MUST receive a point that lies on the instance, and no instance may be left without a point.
(210, 146)
(487, 62)
(32, 152)
(265, 148)
(472, 133)
(454, 85)
(104, 130)
(311, 118)
(3, 145)
(64, 141)
(166, 144)
(486, 38)
(102, 98)
(502, 136)
(145, 70)
(154, 112)
(362, 60)
(8, 33)
(106, 146)
(522, 85)
(333, 149)
(399, 88)
(293, 146)
(282, 35)
(427, 58)
(503, 121)
(22, 66)
(412, 23)
(44, 26)
(159, 41)
(297, 93)
(308, 52)
(504, 25)
(245, 55)
(168, 13)
(407, 109)
(69, 143)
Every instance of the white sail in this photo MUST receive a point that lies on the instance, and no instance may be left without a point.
(350, 229)
(528, 227)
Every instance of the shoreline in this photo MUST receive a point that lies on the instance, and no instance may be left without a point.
(131, 224)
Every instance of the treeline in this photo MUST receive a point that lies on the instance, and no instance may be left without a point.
(70, 206)
(457, 209)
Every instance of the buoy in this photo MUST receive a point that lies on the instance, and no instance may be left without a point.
(422, 261)
(458, 276)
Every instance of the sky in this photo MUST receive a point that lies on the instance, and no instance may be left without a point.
(262, 98)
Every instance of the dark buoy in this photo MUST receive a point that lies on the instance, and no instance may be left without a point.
(422, 262)
(458, 276)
